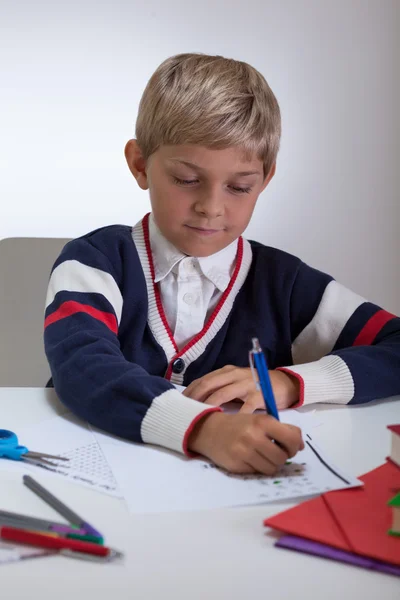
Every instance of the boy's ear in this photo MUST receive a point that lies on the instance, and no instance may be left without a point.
(136, 163)
(269, 177)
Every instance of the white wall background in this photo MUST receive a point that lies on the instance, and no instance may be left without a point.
(72, 74)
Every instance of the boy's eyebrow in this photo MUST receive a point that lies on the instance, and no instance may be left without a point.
(244, 173)
(194, 166)
(186, 163)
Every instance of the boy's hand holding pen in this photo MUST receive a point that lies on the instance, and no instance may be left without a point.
(244, 443)
(247, 443)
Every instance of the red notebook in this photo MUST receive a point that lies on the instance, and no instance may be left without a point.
(356, 520)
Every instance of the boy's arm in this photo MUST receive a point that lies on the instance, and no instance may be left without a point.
(345, 349)
(90, 374)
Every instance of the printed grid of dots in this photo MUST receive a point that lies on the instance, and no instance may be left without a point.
(89, 461)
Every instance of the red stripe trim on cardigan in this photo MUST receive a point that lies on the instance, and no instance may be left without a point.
(160, 308)
(300, 401)
(372, 327)
(71, 307)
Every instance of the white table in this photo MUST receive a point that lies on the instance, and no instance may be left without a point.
(207, 555)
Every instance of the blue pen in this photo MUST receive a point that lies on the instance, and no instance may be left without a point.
(258, 363)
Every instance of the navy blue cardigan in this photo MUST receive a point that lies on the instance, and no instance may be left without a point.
(114, 361)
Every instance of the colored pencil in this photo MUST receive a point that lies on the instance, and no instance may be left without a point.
(52, 543)
(33, 525)
(59, 506)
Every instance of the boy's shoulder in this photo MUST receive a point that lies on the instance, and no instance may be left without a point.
(107, 232)
(104, 238)
(104, 248)
(274, 257)
(282, 268)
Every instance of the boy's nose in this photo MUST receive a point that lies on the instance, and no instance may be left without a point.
(210, 204)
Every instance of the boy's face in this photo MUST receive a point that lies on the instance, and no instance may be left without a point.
(202, 199)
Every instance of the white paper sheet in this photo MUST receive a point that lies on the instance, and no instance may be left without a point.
(66, 436)
(154, 480)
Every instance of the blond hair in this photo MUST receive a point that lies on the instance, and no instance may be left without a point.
(210, 101)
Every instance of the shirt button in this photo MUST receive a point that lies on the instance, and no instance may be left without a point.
(178, 366)
(189, 298)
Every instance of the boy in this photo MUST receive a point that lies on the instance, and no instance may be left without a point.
(177, 298)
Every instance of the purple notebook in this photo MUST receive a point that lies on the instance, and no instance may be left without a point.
(300, 544)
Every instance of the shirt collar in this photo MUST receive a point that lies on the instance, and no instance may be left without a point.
(218, 267)
(165, 255)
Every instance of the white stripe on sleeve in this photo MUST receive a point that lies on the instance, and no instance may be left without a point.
(319, 337)
(73, 276)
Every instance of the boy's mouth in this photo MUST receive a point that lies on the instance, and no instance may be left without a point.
(203, 230)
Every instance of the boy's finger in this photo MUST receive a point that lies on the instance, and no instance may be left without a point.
(297, 429)
(201, 389)
(252, 403)
(288, 436)
(274, 453)
(201, 386)
(261, 464)
(233, 391)
(247, 408)
(236, 466)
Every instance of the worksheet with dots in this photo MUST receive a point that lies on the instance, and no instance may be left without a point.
(154, 480)
(68, 437)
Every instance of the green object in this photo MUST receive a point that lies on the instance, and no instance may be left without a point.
(393, 532)
(288, 462)
(86, 538)
(277, 481)
(395, 501)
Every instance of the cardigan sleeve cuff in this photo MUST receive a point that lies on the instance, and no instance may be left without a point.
(170, 420)
(325, 380)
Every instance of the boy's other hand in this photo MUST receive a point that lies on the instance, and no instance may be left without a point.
(243, 443)
(237, 383)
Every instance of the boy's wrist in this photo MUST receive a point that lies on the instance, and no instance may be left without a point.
(286, 388)
(292, 389)
(201, 437)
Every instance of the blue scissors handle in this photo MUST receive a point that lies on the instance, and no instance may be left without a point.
(9, 447)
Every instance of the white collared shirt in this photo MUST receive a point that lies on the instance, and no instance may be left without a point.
(190, 287)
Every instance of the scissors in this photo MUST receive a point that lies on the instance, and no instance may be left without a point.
(9, 448)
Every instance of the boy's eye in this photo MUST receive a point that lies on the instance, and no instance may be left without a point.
(184, 181)
(240, 190)
(191, 182)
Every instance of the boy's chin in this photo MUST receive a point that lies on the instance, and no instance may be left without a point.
(202, 247)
